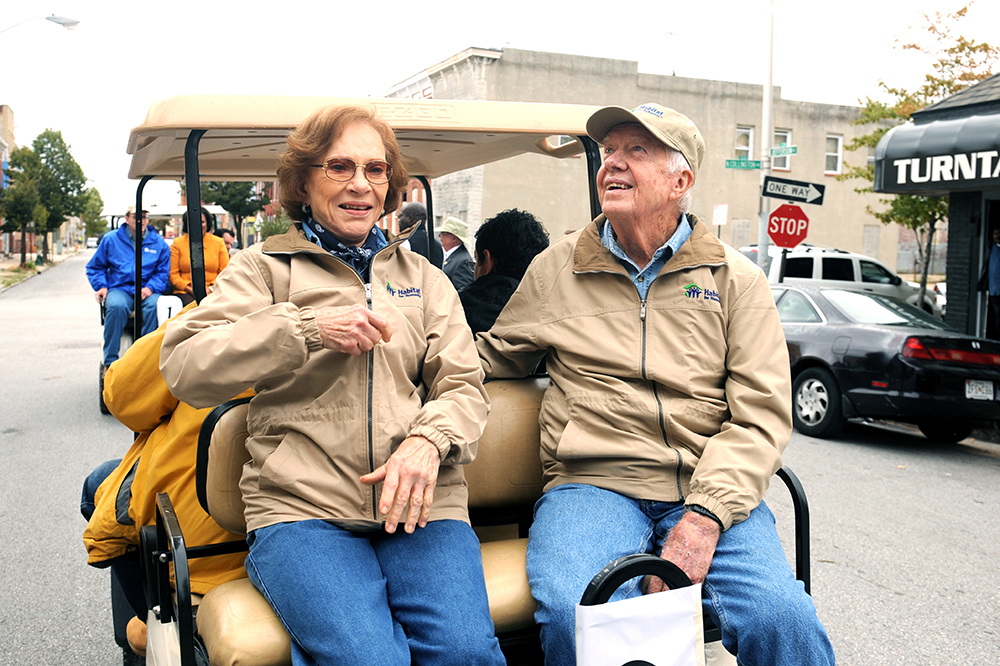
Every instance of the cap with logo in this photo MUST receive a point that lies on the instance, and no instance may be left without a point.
(670, 127)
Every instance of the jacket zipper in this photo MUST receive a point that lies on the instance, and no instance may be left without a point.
(371, 390)
(659, 405)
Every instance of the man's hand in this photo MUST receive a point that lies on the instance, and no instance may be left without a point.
(101, 294)
(410, 476)
(352, 329)
(691, 546)
(146, 293)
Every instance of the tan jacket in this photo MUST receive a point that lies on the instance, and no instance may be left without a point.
(322, 418)
(684, 397)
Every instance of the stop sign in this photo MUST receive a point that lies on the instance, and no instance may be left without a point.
(787, 225)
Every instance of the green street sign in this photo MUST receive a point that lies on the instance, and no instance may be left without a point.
(781, 151)
(742, 164)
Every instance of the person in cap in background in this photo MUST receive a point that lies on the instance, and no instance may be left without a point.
(669, 405)
(415, 215)
(111, 272)
(458, 264)
(505, 245)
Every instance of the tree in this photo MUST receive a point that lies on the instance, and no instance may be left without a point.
(238, 198)
(273, 226)
(60, 183)
(958, 63)
(93, 205)
(19, 203)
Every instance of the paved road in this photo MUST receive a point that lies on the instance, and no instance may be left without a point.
(54, 609)
(904, 541)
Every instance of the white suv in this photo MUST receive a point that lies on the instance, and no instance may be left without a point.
(827, 267)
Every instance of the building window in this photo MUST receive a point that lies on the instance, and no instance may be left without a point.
(782, 162)
(744, 142)
(834, 154)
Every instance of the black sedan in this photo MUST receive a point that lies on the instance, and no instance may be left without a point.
(856, 354)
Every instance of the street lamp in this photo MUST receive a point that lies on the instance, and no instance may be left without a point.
(67, 23)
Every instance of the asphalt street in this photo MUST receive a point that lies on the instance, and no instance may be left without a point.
(903, 537)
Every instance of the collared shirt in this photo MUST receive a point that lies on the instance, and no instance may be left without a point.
(448, 253)
(642, 278)
(358, 258)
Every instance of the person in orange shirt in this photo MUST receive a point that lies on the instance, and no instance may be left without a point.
(216, 258)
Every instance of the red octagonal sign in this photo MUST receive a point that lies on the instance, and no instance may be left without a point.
(787, 226)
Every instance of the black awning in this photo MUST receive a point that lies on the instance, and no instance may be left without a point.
(940, 157)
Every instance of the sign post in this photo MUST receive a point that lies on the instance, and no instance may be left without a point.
(787, 227)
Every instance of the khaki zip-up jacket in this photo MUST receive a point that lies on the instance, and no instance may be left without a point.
(321, 418)
(683, 396)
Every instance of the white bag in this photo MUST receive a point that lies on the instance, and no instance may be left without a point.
(662, 629)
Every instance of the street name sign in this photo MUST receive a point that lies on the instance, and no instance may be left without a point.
(781, 151)
(787, 225)
(794, 190)
(742, 164)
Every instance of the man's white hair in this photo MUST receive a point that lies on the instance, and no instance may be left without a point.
(677, 162)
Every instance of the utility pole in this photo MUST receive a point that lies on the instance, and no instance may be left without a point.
(766, 137)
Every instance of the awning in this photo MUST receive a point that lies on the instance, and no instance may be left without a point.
(940, 157)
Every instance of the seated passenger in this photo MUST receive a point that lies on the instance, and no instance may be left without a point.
(370, 399)
(111, 272)
(416, 214)
(458, 264)
(505, 245)
(161, 459)
(669, 405)
(215, 252)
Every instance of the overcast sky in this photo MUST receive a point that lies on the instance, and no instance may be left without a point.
(96, 82)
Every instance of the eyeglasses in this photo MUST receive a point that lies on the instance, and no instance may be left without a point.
(342, 170)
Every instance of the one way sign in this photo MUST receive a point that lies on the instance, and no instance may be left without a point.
(794, 190)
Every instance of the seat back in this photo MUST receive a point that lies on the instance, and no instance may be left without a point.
(222, 452)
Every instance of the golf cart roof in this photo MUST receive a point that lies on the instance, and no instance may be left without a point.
(245, 134)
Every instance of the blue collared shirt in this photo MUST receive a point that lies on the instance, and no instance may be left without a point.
(642, 278)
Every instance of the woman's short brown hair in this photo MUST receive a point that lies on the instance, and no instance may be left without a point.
(309, 142)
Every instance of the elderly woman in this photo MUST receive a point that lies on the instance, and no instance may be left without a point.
(213, 248)
(369, 399)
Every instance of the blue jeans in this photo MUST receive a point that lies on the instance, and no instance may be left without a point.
(750, 592)
(118, 306)
(376, 598)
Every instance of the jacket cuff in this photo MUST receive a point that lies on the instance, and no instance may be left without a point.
(310, 329)
(435, 437)
(713, 506)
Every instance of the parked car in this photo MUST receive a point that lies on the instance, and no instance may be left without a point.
(858, 354)
(829, 267)
(92, 242)
(941, 296)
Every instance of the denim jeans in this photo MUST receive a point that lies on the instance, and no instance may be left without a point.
(750, 592)
(376, 598)
(92, 482)
(118, 306)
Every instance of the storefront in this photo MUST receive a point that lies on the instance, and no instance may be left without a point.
(952, 149)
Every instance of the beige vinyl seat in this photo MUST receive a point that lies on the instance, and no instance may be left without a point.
(237, 625)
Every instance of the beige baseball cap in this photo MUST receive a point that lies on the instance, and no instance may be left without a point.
(672, 128)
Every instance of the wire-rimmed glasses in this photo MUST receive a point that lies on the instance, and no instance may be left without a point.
(342, 170)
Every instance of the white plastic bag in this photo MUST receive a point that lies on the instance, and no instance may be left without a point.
(662, 629)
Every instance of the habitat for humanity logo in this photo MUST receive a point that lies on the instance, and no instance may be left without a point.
(402, 293)
(651, 110)
(694, 291)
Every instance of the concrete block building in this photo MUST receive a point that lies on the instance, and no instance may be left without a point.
(728, 114)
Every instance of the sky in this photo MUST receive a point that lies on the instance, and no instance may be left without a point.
(96, 82)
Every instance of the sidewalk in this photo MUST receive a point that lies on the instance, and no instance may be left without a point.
(9, 267)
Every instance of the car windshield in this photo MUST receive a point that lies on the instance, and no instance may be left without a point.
(875, 309)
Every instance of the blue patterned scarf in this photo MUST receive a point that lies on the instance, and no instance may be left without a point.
(358, 258)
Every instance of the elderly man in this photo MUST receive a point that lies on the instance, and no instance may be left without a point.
(669, 403)
(414, 214)
(458, 264)
(111, 272)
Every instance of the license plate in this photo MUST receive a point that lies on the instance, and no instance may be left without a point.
(977, 389)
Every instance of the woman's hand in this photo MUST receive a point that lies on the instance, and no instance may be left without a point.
(410, 476)
(352, 329)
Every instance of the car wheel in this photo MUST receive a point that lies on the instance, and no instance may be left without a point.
(816, 404)
(946, 432)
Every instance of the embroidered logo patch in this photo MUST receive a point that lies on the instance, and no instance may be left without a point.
(694, 291)
(402, 293)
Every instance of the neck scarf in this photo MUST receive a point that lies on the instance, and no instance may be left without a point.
(358, 258)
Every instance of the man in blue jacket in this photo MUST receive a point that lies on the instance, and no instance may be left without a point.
(111, 272)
